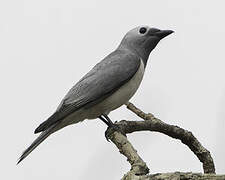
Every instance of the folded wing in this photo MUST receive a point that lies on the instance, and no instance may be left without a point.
(104, 79)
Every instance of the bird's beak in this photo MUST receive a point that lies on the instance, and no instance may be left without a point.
(163, 33)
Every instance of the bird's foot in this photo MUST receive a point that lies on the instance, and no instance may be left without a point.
(111, 129)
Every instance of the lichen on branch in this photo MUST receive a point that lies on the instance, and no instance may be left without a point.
(139, 169)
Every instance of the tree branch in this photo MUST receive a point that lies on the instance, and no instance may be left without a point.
(139, 169)
(181, 176)
(154, 124)
(138, 166)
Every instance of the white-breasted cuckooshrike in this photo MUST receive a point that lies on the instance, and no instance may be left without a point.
(109, 85)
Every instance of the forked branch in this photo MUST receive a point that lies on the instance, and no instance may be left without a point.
(150, 123)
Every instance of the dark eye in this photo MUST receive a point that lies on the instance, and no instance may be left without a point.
(142, 30)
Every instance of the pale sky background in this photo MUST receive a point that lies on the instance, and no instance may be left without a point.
(46, 46)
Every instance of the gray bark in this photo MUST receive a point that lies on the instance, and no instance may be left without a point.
(175, 176)
(139, 169)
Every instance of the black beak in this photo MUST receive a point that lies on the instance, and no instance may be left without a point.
(163, 33)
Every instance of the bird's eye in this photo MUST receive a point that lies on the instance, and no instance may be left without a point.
(142, 30)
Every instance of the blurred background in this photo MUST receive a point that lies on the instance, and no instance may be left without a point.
(46, 46)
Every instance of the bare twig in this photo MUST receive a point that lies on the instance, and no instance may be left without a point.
(139, 169)
(138, 166)
(183, 176)
(153, 124)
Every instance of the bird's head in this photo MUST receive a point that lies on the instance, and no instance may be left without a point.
(143, 40)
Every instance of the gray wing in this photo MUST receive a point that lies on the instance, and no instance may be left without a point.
(104, 79)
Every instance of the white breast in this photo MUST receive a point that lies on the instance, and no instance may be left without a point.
(117, 99)
(120, 97)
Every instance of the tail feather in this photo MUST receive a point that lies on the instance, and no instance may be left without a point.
(36, 142)
(53, 119)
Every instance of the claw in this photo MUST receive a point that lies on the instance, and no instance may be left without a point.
(106, 136)
(111, 129)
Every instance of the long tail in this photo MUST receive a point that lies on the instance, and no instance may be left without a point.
(36, 142)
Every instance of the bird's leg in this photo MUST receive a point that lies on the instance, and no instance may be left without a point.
(104, 120)
(111, 126)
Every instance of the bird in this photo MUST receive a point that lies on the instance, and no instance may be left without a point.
(107, 86)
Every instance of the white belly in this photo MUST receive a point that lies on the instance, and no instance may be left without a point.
(118, 98)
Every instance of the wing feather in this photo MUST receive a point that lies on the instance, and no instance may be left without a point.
(104, 79)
